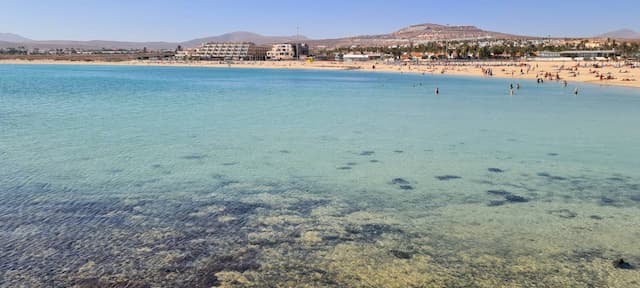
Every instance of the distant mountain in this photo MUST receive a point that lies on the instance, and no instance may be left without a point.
(621, 34)
(243, 37)
(9, 37)
(13, 40)
(416, 34)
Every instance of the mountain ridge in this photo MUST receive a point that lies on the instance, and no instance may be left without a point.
(10, 37)
(240, 36)
(620, 34)
(413, 34)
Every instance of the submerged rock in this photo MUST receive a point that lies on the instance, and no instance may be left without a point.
(406, 187)
(495, 170)
(367, 153)
(621, 264)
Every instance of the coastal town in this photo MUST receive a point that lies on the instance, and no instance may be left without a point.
(470, 49)
(600, 61)
(422, 48)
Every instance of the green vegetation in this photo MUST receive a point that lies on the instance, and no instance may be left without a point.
(494, 49)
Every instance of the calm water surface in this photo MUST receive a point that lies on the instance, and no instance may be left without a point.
(200, 177)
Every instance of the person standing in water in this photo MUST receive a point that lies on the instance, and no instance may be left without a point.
(437, 91)
(575, 91)
(564, 83)
(518, 86)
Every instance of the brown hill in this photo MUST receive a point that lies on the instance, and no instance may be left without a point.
(417, 34)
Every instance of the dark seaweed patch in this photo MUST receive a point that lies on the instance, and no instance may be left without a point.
(284, 151)
(351, 163)
(563, 213)
(495, 170)
(447, 177)
(398, 151)
(499, 192)
(596, 217)
(230, 163)
(194, 157)
(508, 196)
(607, 201)
(399, 181)
(515, 198)
(553, 154)
(156, 166)
(550, 177)
(367, 153)
(374, 161)
(402, 184)
(635, 198)
(344, 168)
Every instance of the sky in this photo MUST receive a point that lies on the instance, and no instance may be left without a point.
(176, 20)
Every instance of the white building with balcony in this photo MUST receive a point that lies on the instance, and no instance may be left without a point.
(281, 52)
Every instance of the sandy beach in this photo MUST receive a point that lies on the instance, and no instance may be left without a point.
(593, 72)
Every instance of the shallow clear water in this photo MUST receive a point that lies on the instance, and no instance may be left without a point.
(237, 177)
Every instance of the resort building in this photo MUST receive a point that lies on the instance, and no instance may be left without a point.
(353, 57)
(281, 52)
(288, 51)
(578, 54)
(227, 51)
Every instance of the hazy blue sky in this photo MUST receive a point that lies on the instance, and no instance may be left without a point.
(145, 20)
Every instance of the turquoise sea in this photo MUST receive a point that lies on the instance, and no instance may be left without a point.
(115, 176)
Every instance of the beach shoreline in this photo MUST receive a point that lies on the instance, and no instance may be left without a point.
(591, 72)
